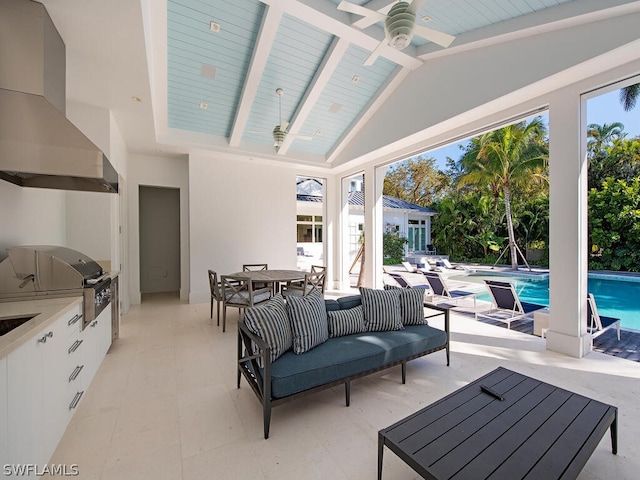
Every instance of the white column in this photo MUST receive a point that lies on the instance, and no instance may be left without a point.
(331, 239)
(378, 227)
(567, 225)
(342, 240)
(369, 225)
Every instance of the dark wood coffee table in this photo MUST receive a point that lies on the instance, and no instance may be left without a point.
(536, 431)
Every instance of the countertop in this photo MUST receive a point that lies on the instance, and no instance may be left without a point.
(46, 311)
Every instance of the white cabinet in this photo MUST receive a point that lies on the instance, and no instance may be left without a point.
(25, 399)
(38, 390)
(96, 340)
(4, 446)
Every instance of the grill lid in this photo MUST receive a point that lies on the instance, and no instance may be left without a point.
(50, 268)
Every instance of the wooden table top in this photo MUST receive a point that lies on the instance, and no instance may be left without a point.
(272, 275)
(536, 431)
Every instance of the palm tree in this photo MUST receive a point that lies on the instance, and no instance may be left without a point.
(629, 96)
(601, 136)
(503, 159)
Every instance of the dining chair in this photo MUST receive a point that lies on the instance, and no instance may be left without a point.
(256, 267)
(313, 281)
(216, 293)
(252, 267)
(241, 293)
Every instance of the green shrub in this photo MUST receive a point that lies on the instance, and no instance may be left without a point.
(393, 248)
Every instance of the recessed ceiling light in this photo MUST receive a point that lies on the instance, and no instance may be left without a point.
(335, 108)
(136, 99)
(355, 79)
(426, 18)
(319, 132)
(203, 106)
(214, 27)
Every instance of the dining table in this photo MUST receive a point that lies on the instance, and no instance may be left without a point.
(276, 277)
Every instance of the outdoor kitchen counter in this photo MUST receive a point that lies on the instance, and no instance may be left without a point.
(45, 311)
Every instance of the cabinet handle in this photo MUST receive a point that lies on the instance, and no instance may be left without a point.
(75, 319)
(44, 337)
(75, 346)
(76, 399)
(75, 373)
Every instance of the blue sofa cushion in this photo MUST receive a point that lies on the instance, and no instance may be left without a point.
(308, 318)
(346, 322)
(270, 322)
(349, 301)
(381, 309)
(350, 355)
(331, 305)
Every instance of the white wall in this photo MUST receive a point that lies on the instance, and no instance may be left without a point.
(31, 216)
(240, 212)
(88, 227)
(158, 172)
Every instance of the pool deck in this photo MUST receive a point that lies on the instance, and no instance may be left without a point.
(628, 347)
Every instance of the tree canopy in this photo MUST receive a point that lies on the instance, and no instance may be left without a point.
(496, 195)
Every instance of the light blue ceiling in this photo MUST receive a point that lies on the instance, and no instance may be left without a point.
(215, 68)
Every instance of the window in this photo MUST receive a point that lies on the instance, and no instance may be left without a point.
(309, 228)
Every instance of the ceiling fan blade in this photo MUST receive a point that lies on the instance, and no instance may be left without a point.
(375, 54)
(415, 6)
(442, 39)
(369, 17)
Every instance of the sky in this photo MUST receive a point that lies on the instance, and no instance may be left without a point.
(602, 109)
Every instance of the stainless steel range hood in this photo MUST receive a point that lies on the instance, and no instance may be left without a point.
(39, 146)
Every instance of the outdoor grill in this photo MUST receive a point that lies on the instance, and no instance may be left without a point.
(44, 271)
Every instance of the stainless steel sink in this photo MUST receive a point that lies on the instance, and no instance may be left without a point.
(9, 323)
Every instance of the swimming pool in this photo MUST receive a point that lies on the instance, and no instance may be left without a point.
(616, 295)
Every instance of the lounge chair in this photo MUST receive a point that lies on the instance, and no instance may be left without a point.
(442, 294)
(596, 324)
(505, 305)
(400, 280)
(411, 269)
(447, 264)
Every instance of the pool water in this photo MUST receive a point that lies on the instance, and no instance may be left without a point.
(619, 297)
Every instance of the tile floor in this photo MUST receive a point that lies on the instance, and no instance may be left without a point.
(164, 404)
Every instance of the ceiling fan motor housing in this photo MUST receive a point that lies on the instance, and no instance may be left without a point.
(278, 136)
(399, 25)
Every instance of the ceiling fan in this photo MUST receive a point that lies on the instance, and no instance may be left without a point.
(280, 131)
(399, 26)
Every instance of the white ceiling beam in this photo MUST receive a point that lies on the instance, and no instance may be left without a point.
(325, 16)
(264, 43)
(381, 6)
(318, 84)
(381, 96)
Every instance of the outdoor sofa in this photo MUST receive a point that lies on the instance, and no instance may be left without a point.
(332, 342)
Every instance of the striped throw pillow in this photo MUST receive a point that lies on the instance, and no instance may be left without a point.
(308, 318)
(346, 322)
(381, 309)
(411, 305)
(270, 322)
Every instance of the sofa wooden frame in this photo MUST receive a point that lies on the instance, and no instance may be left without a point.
(249, 367)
